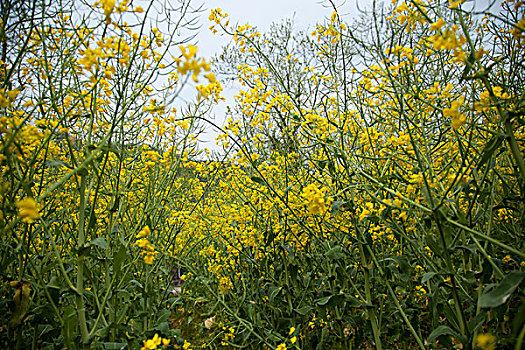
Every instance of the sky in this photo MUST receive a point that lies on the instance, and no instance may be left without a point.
(261, 14)
(306, 13)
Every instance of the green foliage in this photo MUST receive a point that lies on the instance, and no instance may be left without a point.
(370, 192)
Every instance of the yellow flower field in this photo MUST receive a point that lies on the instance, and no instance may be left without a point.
(369, 192)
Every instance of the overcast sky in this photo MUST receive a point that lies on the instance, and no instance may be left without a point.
(261, 14)
(306, 13)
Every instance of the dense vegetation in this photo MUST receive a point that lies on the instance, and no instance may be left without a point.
(370, 191)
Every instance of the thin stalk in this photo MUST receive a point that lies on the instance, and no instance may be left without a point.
(487, 238)
(368, 294)
(81, 309)
(396, 302)
(450, 267)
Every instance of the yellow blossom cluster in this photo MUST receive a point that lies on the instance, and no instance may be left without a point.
(155, 342)
(28, 210)
(457, 118)
(314, 199)
(148, 249)
(192, 65)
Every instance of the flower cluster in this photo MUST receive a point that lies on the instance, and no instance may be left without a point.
(148, 249)
(153, 343)
(28, 210)
(314, 199)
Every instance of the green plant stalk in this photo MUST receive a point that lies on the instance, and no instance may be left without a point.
(487, 238)
(514, 148)
(450, 267)
(478, 309)
(511, 139)
(146, 300)
(519, 341)
(396, 302)
(247, 324)
(370, 310)
(59, 259)
(106, 296)
(81, 309)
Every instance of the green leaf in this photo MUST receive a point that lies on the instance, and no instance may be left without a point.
(118, 259)
(335, 253)
(353, 301)
(114, 205)
(304, 310)
(490, 148)
(336, 205)
(477, 321)
(163, 315)
(92, 225)
(323, 301)
(471, 248)
(57, 163)
(115, 346)
(427, 276)
(440, 331)
(163, 327)
(104, 331)
(272, 336)
(258, 180)
(43, 329)
(274, 291)
(99, 242)
(501, 293)
(83, 171)
(332, 300)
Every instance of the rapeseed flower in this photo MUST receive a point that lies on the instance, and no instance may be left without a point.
(153, 343)
(486, 341)
(314, 199)
(27, 210)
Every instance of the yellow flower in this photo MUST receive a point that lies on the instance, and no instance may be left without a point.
(145, 232)
(149, 257)
(438, 24)
(12, 94)
(281, 346)
(151, 344)
(143, 243)
(211, 77)
(457, 118)
(455, 4)
(27, 210)
(107, 6)
(314, 199)
(486, 341)
(21, 301)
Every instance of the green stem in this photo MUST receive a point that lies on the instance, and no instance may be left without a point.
(396, 302)
(370, 309)
(519, 341)
(450, 267)
(487, 238)
(514, 148)
(81, 310)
